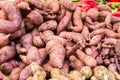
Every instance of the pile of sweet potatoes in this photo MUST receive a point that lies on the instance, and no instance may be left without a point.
(56, 34)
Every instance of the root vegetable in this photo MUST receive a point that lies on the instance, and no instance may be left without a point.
(112, 67)
(105, 52)
(106, 62)
(14, 75)
(3, 77)
(76, 37)
(117, 46)
(64, 22)
(78, 24)
(23, 6)
(48, 25)
(6, 53)
(14, 17)
(86, 33)
(83, 57)
(2, 15)
(88, 51)
(35, 17)
(99, 60)
(75, 63)
(38, 42)
(67, 4)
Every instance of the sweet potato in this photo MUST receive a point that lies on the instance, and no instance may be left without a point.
(75, 63)
(28, 23)
(76, 37)
(105, 52)
(26, 41)
(112, 67)
(3, 77)
(108, 20)
(6, 53)
(32, 55)
(20, 49)
(35, 17)
(107, 32)
(2, 15)
(23, 6)
(102, 7)
(117, 46)
(93, 14)
(25, 73)
(14, 17)
(86, 33)
(116, 26)
(83, 57)
(99, 60)
(4, 39)
(66, 68)
(53, 5)
(56, 53)
(48, 25)
(88, 51)
(61, 13)
(14, 75)
(64, 22)
(7, 67)
(37, 41)
(67, 4)
(88, 20)
(106, 62)
(95, 40)
(78, 24)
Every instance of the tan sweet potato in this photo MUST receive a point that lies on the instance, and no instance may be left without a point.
(14, 17)
(83, 57)
(35, 17)
(14, 75)
(6, 53)
(78, 24)
(48, 25)
(64, 22)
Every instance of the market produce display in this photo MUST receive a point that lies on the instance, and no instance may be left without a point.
(58, 40)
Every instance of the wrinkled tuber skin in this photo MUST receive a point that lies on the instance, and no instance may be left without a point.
(56, 53)
(14, 75)
(32, 55)
(89, 20)
(67, 4)
(75, 63)
(6, 53)
(107, 32)
(14, 17)
(76, 37)
(83, 57)
(112, 67)
(4, 39)
(3, 77)
(78, 24)
(29, 25)
(86, 33)
(66, 67)
(48, 25)
(26, 41)
(7, 67)
(25, 73)
(2, 15)
(35, 17)
(64, 22)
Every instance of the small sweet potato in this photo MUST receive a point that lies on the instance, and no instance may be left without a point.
(6, 53)
(64, 22)
(2, 15)
(83, 57)
(14, 75)
(112, 67)
(48, 25)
